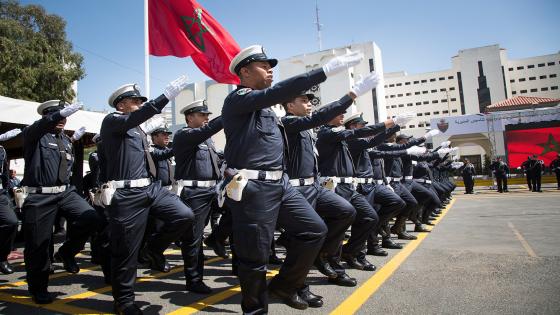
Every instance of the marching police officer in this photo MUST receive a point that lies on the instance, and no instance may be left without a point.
(48, 156)
(162, 156)
(525, 166)
(555, 167)
(8, 218)
(255, 154)
(536, 167)
(130, 171)
(197, 171)
(501, 171)
(468, 172)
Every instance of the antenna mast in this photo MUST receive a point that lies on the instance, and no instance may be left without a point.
(319, 25)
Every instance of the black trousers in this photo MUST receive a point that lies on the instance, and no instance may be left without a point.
(337, 213)
(425, 196)
(365, 222)
(264, 204)
(40, 212)
(128, 215)
(404, 193)
(557, 177)
(8, 226)
(528, 176)
(501, 180)
(469, 183)
(199, 199)
(536, 181)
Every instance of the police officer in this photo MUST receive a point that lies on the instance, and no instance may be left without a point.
(468, 172)
(162, 156)
(130, 170)
(501, 171)
(337, 213)
(536, 167)
(527, 170)
(8, 218)
(48, 156)
(423, 175)
(555, 167)
(256, 151)
(197, 171)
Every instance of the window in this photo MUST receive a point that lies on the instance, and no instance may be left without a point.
(443, 100)
(434, 101)
(450, 77)
(510, 69)
(418, 103)
(426, 102)
(534, 90)
(552, 75)
(541, 65)
(401, 105)
(409, 104)
(523, 91)
(550, 64)
(433, 91)
(407, 83)
(532, 78)
(521, 79)
(544, 89)
(513, 92)
(445, 112)
(442, 90)
(399, 95)
(417, 93)
(441, 78)
(542, 77)
(416, 82)
(452, 88)
(393, 106)
(423, 81)
(424, 92)
(530, 66)
(427, 124)
(453, 99)
(436, 113)
(385, 86)
(387, 107)
(408, 94)
(520, 68)
(391, 85)
(418, 114)
(403, 127)
(554, 88)
(453, 110)
(427, 114)
(512, 80)
(386, 96)
(392, 96)
(420, 125)
(399, 84)
(432, 80)
(411, 126)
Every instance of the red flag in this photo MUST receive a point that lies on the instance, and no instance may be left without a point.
(183, 28)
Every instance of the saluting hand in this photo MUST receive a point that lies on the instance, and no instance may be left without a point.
(341, 63)
(78, 133)
(366, 84)
(175, 87)
(10, 134)
(70, 109)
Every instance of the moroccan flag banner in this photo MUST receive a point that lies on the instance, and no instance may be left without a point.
(183, 28)
(544, 142)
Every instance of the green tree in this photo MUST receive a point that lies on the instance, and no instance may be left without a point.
(36, 61)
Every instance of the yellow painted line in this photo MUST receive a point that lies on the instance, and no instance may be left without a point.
(523, 241)
(364, 292)
(211, 300)
(58, 308)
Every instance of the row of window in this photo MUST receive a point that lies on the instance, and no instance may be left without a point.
(428, 114)
(540, 65)
(443, 100)
(419, 92)
(543, 89)
(533, 78)
(420, 81)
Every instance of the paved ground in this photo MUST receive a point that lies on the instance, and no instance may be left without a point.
(489, 253)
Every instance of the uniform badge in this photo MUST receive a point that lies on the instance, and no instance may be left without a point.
(244, 91)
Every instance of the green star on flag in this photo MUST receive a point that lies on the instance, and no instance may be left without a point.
(195, 37)
(550, 146)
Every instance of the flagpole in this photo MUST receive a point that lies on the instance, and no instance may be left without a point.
(146, 52)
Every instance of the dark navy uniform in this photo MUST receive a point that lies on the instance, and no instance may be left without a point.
(536, 167)
(423, 175)
(48, 167)
(501, 171)
(256, 141)
(164, 165)
(527, 170)
(8, 218)
(127, 158)
(335, 160)
(197, 169)
(555, 167)
(337, 213)
(468, 174)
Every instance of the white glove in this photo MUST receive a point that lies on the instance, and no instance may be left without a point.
(10, 134)
(442, 152)
(455, 158)
(416, 150)
(152, 124)
(431, 133)
(70, 109)
(78, 134)
(340, 63)
(175, 87)
(402, 119)
(368, 83)
(519, 167)
(457, 165)
(454, 150)
(445, 144)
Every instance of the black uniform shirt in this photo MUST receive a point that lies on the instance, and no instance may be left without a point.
(468, 170)
(195, 151)
(123, 147)
(359, 151)
(42, 155)
(394, 165)
(162, 159)
(255, 136)
(334, 157)
(302, 152)
(378, 163)
(555, 165)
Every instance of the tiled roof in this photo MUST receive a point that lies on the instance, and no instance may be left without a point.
(522, 101)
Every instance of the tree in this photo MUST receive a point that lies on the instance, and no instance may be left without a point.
(36, 61)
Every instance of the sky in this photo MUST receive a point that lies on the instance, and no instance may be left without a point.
(414, 35)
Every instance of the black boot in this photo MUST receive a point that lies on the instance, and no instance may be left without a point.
(322, 264)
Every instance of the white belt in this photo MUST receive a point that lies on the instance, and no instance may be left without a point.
(168, 187)
(45, 190)
(365, 180)
(343, 180)
(132, 183)
(394, 179)
(302, 181)
(408, 177)
(421, 180)
(379, 182)
(262, 175)
(196, 183)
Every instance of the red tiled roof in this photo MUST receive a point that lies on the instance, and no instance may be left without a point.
(520, 101)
